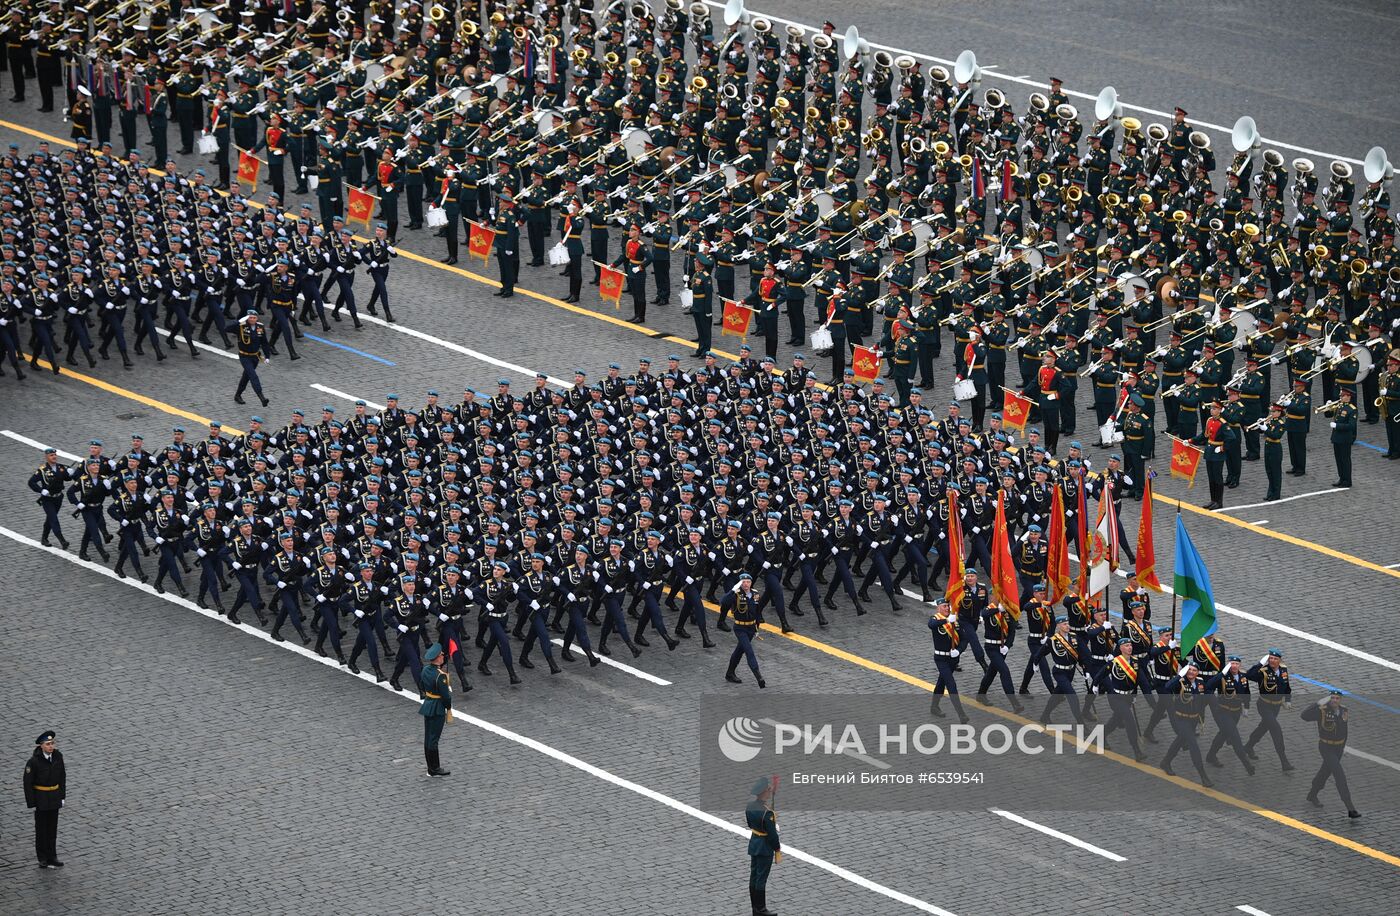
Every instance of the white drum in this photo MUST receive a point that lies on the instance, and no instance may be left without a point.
(1109, 434)
(821, 340)
(965, 390)
(437, 217)
(558, 255)
(312, 182)
(687, 299)
(207, 144)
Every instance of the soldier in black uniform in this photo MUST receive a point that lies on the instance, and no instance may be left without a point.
(946, 638)
(1271, 674)
(764, 846)
(45, 788)
(48, 483)
(253, 347)
(1064, 660)
(1332, 733)
(1186, 691)
(1122, 679)
(742, 604)
(1227, 704)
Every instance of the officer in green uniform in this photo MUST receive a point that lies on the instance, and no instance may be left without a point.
(436, 708)
(1137, 440)
(1253, 393)
(764, 848)
(157, 120)
(905, 356)
(185, 88)
(702, 304)
(1274, 427)
(1235, 414)
(1343, 425)
(1297, 419)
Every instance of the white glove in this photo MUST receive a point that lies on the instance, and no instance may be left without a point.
(1333, 424)
(403, 629)
(1264, 660)
(281, 585)
(908, 539)
(1094, 689)
(955, 653)
(159, 540)
(201, 553)
(737, 585)
(570, 597)
(1003, 650)
(1181, 672)
(235, 564)
(534, 605)
(359, 614)
(320, 599)
(767, 565)
(608, 589)
(442, 617)
(976, 530)
(72, 310)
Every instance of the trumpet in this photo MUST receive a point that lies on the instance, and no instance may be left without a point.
(1329, 408)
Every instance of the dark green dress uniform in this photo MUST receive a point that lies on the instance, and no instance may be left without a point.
(1297, 418)
(702, 304)
(1274, 428)
(45, 788)
(764, 846)
(436, 707)
(1343, 436)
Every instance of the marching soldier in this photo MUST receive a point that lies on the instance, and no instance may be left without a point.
(1333, 728)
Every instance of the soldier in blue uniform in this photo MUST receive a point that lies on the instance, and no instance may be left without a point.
(946, 638)
(436, 708)
(1186, 692)
(48, 483)
(253, 347)
(742, 604)
(1271, 674)
(764, 847)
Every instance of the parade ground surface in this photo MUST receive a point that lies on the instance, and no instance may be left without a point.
(213, 770)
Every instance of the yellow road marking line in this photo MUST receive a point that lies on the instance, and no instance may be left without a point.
(135, 396)
(618, 322)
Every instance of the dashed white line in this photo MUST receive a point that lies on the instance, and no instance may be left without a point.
(1065, 837)
(635, 672)
(346, 396)
(1373, 758)
(35, 443)
(458, 348)
(540, 747)
(1286, 499)
(1251, 910)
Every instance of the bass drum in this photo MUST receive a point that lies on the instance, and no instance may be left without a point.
(965, 390)
(1245, 326)
(1035, 258)
(825, 203)
(923, 234)
(1134, 287)
(635, 141)
(1365, 362)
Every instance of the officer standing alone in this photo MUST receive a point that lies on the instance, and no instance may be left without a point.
(45, 787)
(764, 847)
(437, 706)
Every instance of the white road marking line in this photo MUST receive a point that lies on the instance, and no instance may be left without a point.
(1050, 831)
(1374, 758)
(1205, 125)
(465, 351)
(1251, 910)
(217, 351)
(1286, 499)
(35, 443)
(635, 672)
(847, 752)
(515, 737)
(1262, 521)
(337, 393)
(1392, 566)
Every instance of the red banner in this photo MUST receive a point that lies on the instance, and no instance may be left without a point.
(611, 283)
(1005, 589)
(248, 168)
(480, 240)
(865, 361)
(1186, 458)
(359, 206)
(738, 318)
(1146, 564)
(1057, 561)
(1015, 410)
(956, 567)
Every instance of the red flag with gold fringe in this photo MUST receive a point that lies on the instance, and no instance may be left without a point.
(1005, 589)
(480, 240)
(1186, 459)
(738, 318)
(1015, 409)
(865, 362)
(360, 206)
(1057, 560)
(248, 168)
(611, 283)
(956, 559)
(1146, 564)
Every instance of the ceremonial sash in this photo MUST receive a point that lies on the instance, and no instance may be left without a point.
(1073, 653)
(1125, 667)
(1209, 654)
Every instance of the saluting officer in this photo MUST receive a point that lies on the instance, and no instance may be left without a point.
(1332, 733)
